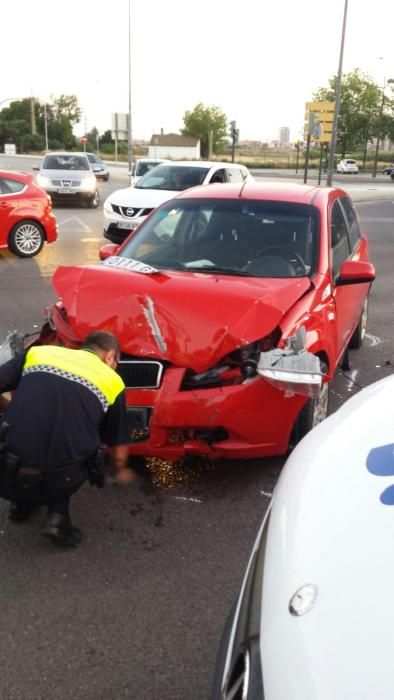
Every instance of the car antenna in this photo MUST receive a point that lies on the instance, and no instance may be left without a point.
(243, 185)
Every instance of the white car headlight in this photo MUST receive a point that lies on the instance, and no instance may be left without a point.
(42, 181)
(108, 206)
(89, 184)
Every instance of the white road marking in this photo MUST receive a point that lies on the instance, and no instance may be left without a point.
(268, 494)
(183, 498)
(77, 220)
(86, 240)
(373, 339)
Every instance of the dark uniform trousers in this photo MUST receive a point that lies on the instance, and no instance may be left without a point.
(52, 488)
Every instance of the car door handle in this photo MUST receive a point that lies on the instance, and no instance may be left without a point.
(4, 205)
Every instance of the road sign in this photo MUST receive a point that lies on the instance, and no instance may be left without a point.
(323, 106)
(84, 139)
(321, 113)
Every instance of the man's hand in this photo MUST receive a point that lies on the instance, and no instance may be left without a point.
(119, 459)
(124, 476)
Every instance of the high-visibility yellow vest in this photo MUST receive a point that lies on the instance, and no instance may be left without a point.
(81, 366)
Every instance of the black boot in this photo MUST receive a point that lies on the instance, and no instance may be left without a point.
(19, 511)
(59, 529)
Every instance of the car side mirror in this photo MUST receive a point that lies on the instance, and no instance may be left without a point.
(355, 272)
(107, 250)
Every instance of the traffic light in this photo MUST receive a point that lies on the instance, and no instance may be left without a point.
(234, 132)
(325, 146)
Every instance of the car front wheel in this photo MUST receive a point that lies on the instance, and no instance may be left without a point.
(94, 201)
(26, 239)
(313, 413)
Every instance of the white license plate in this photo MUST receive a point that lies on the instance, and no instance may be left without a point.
(65, 190)
(127, 224)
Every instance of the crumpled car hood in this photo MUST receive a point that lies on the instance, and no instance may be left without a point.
(189, 319)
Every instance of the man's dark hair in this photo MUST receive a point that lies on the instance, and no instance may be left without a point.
(101, 340)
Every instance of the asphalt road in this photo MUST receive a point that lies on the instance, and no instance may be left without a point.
(137, 610)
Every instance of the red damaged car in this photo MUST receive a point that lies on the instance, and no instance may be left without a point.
(234, 305)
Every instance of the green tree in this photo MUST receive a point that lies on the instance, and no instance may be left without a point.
(200, 121)
(66, 113)
(15, 122)
(359, 115)
(61, 115)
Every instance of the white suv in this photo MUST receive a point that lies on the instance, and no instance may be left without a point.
(125, 209)
(347, 165)
(68, 177)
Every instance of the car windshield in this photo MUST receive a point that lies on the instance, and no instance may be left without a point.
(93, 159)
(231, 237)
(144, 167)
(173, 178)
(66, 163)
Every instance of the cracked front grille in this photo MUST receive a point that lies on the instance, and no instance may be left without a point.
(139, 374)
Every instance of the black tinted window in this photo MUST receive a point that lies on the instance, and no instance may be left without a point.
(8, 186)
(254, 238)
(354, 230)
(340, 247)
(178, 178)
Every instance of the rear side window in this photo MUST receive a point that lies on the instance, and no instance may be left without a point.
(8, 186)
(354, 230)
(340, 247)
(235, 175)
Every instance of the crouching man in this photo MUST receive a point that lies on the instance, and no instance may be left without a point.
(66, 404)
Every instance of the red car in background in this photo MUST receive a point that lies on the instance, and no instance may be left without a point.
(26, 218)
(234, 305)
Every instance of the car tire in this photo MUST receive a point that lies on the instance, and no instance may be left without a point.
(94, 201)
(358, 336)
(392, 176)
(26, 238)
(106, 178)
(313, 413)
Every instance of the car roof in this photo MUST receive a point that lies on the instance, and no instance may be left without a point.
(272, 191)
(65, 153)
(18, 175)
(203, 164)
(151, 160)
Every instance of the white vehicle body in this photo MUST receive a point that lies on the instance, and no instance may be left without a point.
(347, 165)
(125, 209)
(315, 617)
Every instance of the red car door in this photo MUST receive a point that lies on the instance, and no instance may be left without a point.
(349, 299)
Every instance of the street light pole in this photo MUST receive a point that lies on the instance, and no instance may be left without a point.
(375, 162)
(46, 126)
(337, 101)
(129, 149)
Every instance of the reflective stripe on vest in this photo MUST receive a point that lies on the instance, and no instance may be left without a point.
(80, 366)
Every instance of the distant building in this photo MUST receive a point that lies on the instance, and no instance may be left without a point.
(284, 135)
(174, 146)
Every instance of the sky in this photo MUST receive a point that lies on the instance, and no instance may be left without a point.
(259, 61)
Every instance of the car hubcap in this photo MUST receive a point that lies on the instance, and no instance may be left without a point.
(28, 238)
